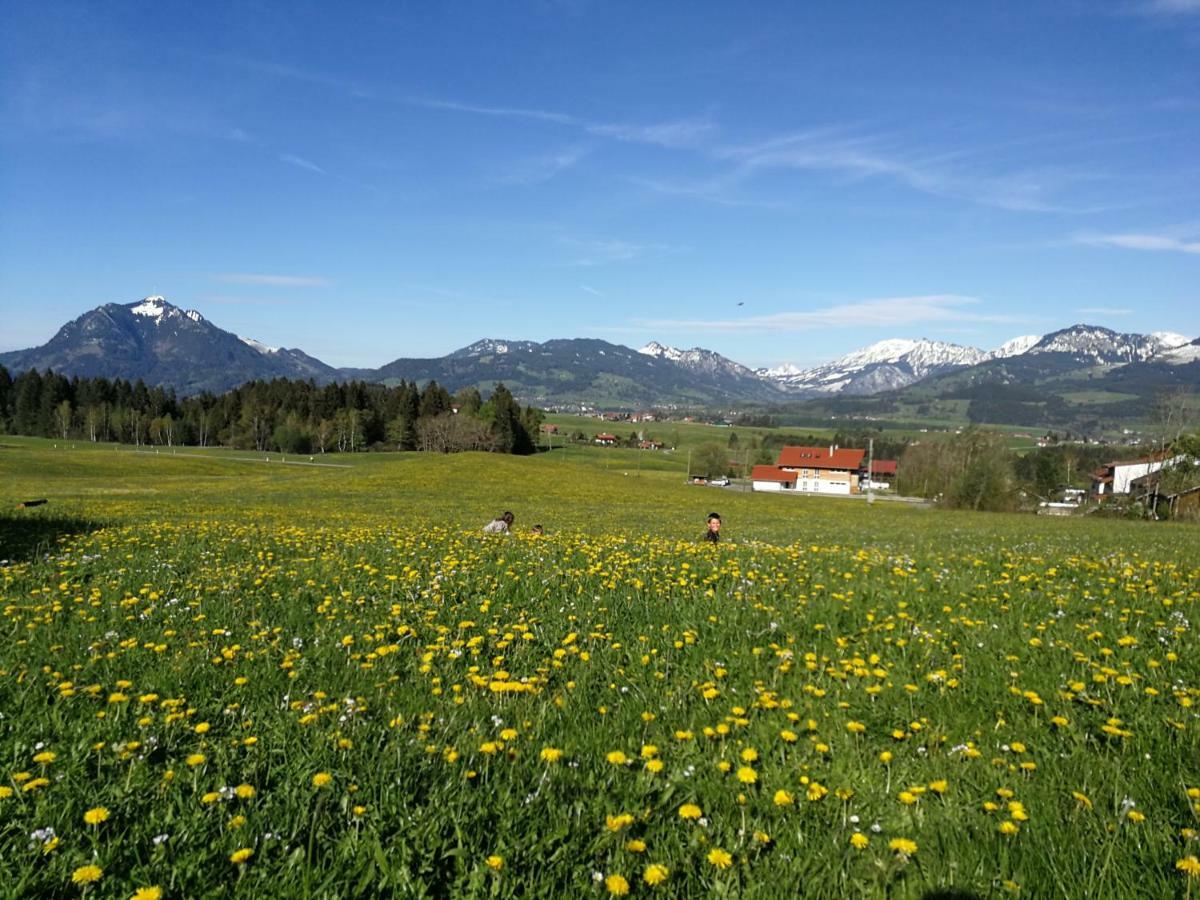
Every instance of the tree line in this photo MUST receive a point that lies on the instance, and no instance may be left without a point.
(285, 415)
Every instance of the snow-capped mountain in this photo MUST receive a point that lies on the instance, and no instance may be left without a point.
(162, 344)
(1095, 345)
(697, 359)
(886, 365)
(1168, 340)
(259, 346)
(1180, 354)
(1016, 346)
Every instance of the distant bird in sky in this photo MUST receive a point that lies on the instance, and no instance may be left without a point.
(741, 303)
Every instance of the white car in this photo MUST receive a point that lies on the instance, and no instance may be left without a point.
(719, 482)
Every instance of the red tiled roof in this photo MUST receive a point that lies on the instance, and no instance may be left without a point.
(821, 458)
(883, 467)
(772, 473)
(606, 437)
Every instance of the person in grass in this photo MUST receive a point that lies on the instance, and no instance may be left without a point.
(499, 525)
(713, 534)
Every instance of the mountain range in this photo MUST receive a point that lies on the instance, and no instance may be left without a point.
(163, 344)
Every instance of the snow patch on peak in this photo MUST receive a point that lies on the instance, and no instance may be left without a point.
(258, 345)
(661, 351)
(1168, 340)
(193, 315)
(784, 371)
(1181, 355)
(152, 307)
(1016, 346)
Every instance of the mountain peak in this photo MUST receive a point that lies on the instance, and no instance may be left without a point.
(884, 365)
(1097, 344)
(151, 307)
(1016, 346)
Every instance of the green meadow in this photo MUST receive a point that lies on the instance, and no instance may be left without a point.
(230, 674)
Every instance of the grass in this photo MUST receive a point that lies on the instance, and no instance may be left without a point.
(333, 670)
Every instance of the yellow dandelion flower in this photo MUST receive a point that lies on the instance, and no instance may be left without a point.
(1082, 799)
(550, 755)
(494, 862)
(655, 873)
(321, 779)
(245, 791)
(87, 874)
(616, 885)
(749, 755)
(46, 756)
(859, 841)
(147, 893)
(1189, 866)
(1134, 816)
(619, 821)
(195, 759)
(635, 846)
(237, 857)
(747, 775)
(784, 798)
(940, 786)
(5, 792)
(902, 846)
(719, 858)
(654, 766)
(1008, 828)
(96, 815)
(689, 812)
(617, 758)
(855, 727)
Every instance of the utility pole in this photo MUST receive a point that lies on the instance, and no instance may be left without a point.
(689, 464)
(870, 468)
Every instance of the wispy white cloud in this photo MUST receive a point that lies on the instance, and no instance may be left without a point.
(1103, 311)
(683, 132)
(293, 160)
(503, 112)
(542, 168)
(590, 290)
(1140, 242)
(889, 312)
(687, 132)
(857, 156)
(1168, 8)
(720, 191)
(272, 280)
(611, 250)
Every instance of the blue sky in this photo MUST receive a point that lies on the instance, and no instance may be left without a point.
(777, 182)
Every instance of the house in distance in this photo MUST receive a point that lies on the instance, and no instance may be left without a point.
(813, 470)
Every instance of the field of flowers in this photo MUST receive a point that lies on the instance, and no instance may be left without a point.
(288, 682)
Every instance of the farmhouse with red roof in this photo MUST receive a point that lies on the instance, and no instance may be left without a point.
(812, 470)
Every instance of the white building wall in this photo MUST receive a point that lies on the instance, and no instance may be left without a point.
(1124, 475)
(771, 486)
